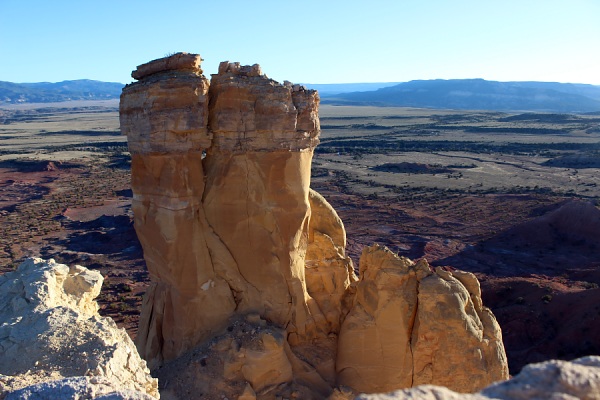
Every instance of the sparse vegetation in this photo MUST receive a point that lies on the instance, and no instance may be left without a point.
(424, 183)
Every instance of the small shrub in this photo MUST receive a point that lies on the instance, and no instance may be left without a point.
(547, 298)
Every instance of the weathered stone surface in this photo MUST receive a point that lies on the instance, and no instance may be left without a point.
(175, 62)
(220, 182)
(250, 360)
(166, 112)
(81, 387)
(249, 112)
(560, 380)
(230, 229)
(411, 326)
(374, 350)
(329, 272)
(50, 329)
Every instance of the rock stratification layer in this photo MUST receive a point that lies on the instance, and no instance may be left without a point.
(231, 231)
(220, 181)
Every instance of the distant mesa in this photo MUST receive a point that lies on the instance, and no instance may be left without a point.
(46, 92)
(460, 94)
(477, 94)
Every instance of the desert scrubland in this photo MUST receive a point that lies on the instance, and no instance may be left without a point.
(510, 197)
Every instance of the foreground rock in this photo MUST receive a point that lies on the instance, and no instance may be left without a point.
(251, 284)
(578, 379)
(50, 329)
(411, 325)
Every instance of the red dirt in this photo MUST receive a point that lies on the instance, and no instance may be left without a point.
(536, 256)
(539, 268)
(76, 215)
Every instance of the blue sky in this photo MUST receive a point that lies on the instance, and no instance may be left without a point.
(325, 41)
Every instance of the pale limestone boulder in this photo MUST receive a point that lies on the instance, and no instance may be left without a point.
(554, 379)
(411, 326)
(81, 387)
(50, 329)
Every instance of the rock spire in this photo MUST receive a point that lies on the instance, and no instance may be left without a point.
(236, 241)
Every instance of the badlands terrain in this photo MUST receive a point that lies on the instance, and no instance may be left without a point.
(510, 197)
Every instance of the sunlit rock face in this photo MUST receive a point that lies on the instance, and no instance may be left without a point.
(231, 231)
(53, 342)
(412, 325)
(220, 180)
(554, 379)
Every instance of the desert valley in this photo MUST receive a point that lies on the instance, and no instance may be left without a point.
(510, 196)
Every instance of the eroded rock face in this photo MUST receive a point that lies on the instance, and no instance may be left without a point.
(230, 229)
(220, 181)
(252, 358)
(50, 329)
(411, 325)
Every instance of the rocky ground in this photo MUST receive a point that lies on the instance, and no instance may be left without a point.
(535, 252)
(534, 255)
(75, 212)
(539, 270)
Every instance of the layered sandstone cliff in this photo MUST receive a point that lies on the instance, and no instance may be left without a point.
(232, 232)
(220, 200)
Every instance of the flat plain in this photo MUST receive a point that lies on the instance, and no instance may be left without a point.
(510, 197)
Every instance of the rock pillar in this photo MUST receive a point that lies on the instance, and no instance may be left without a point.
(220, 182)
(256, 197)
(165, 118)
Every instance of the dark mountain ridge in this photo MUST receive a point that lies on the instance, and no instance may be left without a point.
(464, 94)
(478, 94)
(45, 92)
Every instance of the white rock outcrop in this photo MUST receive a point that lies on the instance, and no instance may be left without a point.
(50, 329)
(554, 379)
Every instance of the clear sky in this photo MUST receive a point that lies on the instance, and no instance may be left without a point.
(309, 41)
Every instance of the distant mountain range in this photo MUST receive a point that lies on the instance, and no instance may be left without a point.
(463, 94)
(326, 89)
(474, 94)
(45, 92)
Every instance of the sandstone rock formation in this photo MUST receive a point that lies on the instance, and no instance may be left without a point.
(50, 329)
(411, 325)
(232, 232)
(578, 379)
(223, 234)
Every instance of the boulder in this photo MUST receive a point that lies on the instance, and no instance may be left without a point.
(50, 329)
(412, 325)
